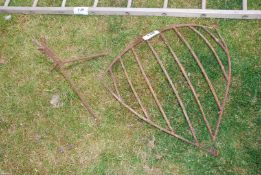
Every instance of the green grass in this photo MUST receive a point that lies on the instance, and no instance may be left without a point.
(38, 139)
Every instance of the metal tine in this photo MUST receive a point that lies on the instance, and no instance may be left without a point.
(221, 111)
(95, 4)
(63, 3)
(223, 45)
(152, 90)
(166, 2)
(228, 84)
(149, 121)
(175, 92)
(184, 73)
(224, 102)
(213, 51)
(35, 3)
(200, 66)
(129, 3)
(204, 4)
(225, 48)
(172, 133)
(223, 42)
(7, 2)
(133, 90)
(219, 41)
(115, 83)
(84, 58)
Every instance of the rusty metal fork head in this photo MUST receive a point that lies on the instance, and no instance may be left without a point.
(59, 65)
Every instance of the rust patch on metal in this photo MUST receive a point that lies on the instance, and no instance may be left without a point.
(209, 36)
(59, 65)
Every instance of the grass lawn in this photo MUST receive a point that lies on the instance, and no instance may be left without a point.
(36, 138)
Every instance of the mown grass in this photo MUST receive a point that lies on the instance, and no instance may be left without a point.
(36, 138)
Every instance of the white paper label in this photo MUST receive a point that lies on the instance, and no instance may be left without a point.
(81, 10)
(151, 35)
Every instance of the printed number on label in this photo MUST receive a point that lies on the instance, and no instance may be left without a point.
(81, 11)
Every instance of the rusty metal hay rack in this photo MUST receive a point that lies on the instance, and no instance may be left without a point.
(162, 10)
(144, 115)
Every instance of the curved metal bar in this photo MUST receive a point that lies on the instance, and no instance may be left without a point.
(184, 73)
(175, 92)
(228, 85)
(131, 45)
(223, 45)
(151, 89)
(211, 150)
(213, 36)
(213, 51)
(200, 66)
(149, 121)
(133, 90)
(115, 83)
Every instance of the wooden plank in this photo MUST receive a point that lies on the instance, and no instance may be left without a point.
(7, 2)
(129, 3)
(244, 4)
(95, 4)
(35, 3)
(166, 2)
(63, 3)
(232, 14)
(204, 4)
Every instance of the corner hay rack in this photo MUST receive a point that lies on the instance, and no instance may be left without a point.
(135, 93)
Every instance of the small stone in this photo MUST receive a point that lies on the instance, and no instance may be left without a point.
(37, 137)
(159, 157)
(8, 17)
(2, 61)
(147, 169)
(152, 171)
(61, 149)
(70, 146)
(151, 143)
(56, 101)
